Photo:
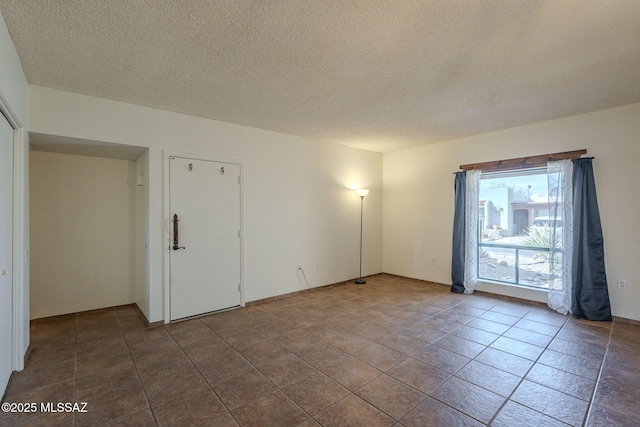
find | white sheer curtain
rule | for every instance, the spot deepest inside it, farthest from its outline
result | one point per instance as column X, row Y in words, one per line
column 471, row 226
column 561, row 234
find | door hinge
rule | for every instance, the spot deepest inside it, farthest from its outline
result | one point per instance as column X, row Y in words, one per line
column 238, row 287
column 238, row 180
column 238, row 234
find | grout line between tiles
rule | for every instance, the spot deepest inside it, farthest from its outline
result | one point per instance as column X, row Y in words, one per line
column 198, row 369
column 524, row 377
column 368, row 315
column 595, row 387
column 144, row 390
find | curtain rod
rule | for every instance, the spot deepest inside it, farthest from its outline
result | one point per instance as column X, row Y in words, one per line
column 523, row 162
column 589, row 158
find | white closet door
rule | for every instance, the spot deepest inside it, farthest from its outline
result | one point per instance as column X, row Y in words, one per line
column 205, row 266
column 6, row 250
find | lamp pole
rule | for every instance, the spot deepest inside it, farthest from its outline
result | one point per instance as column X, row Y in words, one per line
column 361, row 192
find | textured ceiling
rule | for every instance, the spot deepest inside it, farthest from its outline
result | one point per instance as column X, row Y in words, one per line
column 374, row 74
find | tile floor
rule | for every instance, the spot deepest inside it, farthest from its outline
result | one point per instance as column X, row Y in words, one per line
column 392, row 352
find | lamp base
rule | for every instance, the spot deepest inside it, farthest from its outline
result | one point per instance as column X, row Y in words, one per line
column 360, row 282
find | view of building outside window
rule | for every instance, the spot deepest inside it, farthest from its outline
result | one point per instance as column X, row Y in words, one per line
column 514, row 232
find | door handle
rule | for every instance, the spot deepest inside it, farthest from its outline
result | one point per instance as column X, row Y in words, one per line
column 176, row 246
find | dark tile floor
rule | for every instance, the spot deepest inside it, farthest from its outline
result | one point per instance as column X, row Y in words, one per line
column 392, row 352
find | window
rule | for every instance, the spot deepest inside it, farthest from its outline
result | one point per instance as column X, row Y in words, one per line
column 513, row 228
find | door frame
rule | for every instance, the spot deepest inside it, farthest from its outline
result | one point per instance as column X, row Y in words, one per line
column 166, row 222
column 20, row 223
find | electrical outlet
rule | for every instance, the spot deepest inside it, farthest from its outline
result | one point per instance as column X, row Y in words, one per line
column 317, row 265
column 433, row 261
column 622, row 284
column 299, row 266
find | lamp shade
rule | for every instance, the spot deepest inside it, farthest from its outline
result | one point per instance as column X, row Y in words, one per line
column 362, row 192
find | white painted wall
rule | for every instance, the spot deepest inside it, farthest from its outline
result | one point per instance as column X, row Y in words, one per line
column 83, row 236
column 141, row 292
column 13, row 102
column 299, row 203
column 418, row 195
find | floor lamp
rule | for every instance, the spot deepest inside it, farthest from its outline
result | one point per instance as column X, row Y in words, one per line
column 361, row 192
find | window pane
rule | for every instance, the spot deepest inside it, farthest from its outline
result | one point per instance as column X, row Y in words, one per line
column 514, row 217
column 534, row 268
column 497, row 264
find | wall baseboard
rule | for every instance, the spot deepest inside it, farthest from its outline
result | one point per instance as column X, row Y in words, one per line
column 332, row 285
column 26, row 357
column 511, row 298
column 27, row 354
column 144, row 318
column 303, row 291
column 625, row 320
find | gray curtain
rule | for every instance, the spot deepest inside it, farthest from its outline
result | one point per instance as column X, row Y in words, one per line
column 590, row 298
column 459, row 237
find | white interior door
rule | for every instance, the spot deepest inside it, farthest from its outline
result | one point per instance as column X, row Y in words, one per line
column 205, row 266
column 6, row 250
